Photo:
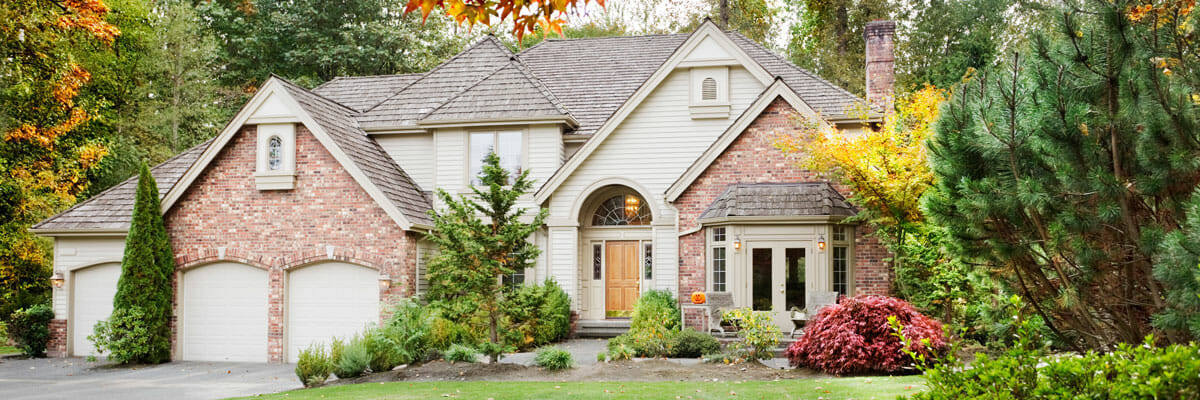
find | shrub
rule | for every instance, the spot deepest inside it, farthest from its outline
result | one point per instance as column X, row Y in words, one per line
column 854, row 337
column 460, row 353
column 655, row 322
column 601, row 357
column 757, row 331
column 444, row 333
column 619, row 351
column 313, row 366
column 147, row 269
column 384, row 352
column 125, row 336
column 30, row 329
column 553, row 359
column 494, row 351
column 351, row 359
column 537, row 315
column 690, row 343
column 408, row 331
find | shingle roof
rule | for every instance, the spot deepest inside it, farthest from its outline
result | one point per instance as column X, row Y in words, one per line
column 362, row 92
column 112, row 209
column 779, row 200
column 510, row 92
column 338, row 121
column 405, row 108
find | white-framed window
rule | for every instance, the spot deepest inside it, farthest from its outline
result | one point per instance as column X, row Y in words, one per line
column 718, row 235
column 507, row 145
column 275, row 166
column 841, row 270
column 839, row 233
column 274, row 153
column 718, row 260
column 648, row 259
column 597, row 261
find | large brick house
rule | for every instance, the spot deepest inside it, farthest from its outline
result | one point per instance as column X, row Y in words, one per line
column 305, row 218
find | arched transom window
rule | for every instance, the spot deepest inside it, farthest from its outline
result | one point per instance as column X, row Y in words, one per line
column 625, row 209
column 274, row 153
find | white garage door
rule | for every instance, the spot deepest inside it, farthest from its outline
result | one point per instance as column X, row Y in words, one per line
column 327, row 300
column 91, row 302
column 224, row 313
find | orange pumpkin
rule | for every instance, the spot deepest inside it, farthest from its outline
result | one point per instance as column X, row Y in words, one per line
column 698, row 298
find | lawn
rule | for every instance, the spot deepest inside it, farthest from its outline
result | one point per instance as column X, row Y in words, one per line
column 4, row 347
column 878, row 387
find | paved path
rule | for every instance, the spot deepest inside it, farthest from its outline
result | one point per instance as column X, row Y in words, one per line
column 74, row 378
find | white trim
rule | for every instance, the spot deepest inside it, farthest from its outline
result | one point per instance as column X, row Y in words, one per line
column 566, row 119
column 586, row 194
column 709, row 62
column 706, row 30
column 274, row 86
column 80, row 232
column 775, row 90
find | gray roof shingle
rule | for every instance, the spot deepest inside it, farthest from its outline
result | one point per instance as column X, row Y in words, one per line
column 338, row 121
column 112, row 209
column 362, row 92
column 779, row 200
column 509, row 92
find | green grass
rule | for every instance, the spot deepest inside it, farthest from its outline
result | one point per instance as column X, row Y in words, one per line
column 878, row 387
column 4, row 339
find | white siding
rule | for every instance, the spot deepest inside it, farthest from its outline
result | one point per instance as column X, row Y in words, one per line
column 564, row 268
column 544, row 152
column 451, row 161
column 72, row 253
column 414, row 152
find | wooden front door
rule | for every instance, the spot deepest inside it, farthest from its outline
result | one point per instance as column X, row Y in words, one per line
column 621, row 283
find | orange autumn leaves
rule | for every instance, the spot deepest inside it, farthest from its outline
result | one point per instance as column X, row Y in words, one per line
column 88, row 15
column 887, row 169
column 1160, row 12
column 527, row 15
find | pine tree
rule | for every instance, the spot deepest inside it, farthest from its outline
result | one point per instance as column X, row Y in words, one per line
column 481, row 239
column 1062, row 169
column 147, row 270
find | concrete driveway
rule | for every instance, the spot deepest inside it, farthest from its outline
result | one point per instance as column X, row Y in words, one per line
column 75, row 378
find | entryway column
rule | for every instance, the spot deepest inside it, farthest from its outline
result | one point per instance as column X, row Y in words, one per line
column 564, row 260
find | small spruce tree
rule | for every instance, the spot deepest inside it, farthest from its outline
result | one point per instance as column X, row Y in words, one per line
column 481, row 239
column 146, row 273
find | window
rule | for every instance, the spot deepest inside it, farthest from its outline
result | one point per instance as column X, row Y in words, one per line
column 506, row 145
column 648, row 260
column 274, row 153
column 514, row 280
column 839, row 233
column 718, row 235
column 718, row 264
column 597, row 261
column 708, row 89
column 627, row 209
column 840, row 270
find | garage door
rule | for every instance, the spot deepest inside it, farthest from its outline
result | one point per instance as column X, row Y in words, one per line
column 91, row 302
column 224, row 313
column 327, row 300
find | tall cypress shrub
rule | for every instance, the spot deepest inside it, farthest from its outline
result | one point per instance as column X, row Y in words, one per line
column 146, row 272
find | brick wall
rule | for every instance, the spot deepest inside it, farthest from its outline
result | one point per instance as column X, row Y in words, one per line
column 223, row 216
column 752, row 158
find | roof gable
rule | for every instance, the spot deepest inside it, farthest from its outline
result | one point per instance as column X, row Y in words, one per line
column 706, row 31
column 509, row 93
column 778, row 89
column 363, row 92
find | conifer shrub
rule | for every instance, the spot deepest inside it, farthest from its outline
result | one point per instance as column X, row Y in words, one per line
column 30, row 329
column 350, row 358
column 314, row 366
column 537, row 315
column 854, row 337
column 553, row 359
column 690, row 343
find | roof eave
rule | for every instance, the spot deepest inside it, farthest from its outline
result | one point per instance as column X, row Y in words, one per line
column 567, row 120
column 52, row 232
column 774, row 219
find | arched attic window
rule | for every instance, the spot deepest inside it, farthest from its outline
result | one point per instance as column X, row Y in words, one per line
column 274, row 153
column 625, row 209
column 708, row 89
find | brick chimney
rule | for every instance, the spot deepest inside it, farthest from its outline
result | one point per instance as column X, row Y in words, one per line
column 881, row 78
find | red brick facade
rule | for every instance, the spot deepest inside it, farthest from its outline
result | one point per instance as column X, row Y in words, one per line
column 327, row 216
column 752, row 158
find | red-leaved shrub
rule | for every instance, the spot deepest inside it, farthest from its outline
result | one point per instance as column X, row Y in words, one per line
column 854, row 337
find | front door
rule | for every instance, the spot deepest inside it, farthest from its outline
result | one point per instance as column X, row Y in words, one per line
column 621, row 281
column 777, row 280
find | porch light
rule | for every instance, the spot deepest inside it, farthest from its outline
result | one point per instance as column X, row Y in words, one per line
column 821, row 242
column 57, row 280
column 737, row 243
column 385, row 282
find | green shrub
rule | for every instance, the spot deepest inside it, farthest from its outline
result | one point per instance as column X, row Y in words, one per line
column 408, row 330
column 30, row 329
column 494, row 350
column 655, row 323
column 351, row 359
column 537, row 315
column 601, row 357
column 619, row 351
column 125, row 336
column 690, row 343
column 553, row 359
column 313, row 366
column 385, row 353
column 147, row 269
column 757, row 331
column 460, row 353
column 444, row 333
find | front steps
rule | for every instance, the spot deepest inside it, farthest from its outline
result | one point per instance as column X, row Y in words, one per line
column 602, row 328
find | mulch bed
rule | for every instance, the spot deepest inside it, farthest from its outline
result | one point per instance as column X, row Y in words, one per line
column 642, row 370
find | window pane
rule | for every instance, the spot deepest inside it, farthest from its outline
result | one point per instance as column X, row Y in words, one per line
column 839, row 233
column 508, row 147
column 718, row 262
column 760, row 276
column 274, row 153
column 648, row 260
column 596, row 261
column 718, row 235
column 514, row 280
column 840, row 272
column 622, row 210
column 794, row 277
column 481, row 144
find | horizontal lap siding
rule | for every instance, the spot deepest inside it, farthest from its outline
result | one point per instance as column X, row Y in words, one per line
column 415, row 154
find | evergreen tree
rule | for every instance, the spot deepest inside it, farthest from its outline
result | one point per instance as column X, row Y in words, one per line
column 1179, row 268
column 147, row 270
column 1061, row 170
column 481, row 239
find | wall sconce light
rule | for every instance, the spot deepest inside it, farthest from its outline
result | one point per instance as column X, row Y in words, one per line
column 57, row 280
column 385, row 282
column 737, row 243
column 821, row 242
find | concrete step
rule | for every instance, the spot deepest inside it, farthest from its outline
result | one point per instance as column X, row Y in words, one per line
column 604, row 328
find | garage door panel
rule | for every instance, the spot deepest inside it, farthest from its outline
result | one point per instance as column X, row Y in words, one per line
column 328, row 300
column 224, row 313
column 94, row 288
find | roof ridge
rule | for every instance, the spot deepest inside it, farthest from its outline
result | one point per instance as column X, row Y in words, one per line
column 486, row 39
column 541, row 86
column 552, row 40
column 289, row 83
column 458, row 94
column 794, row 66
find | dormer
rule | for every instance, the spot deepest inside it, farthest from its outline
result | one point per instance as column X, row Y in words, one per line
column 275, row 154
